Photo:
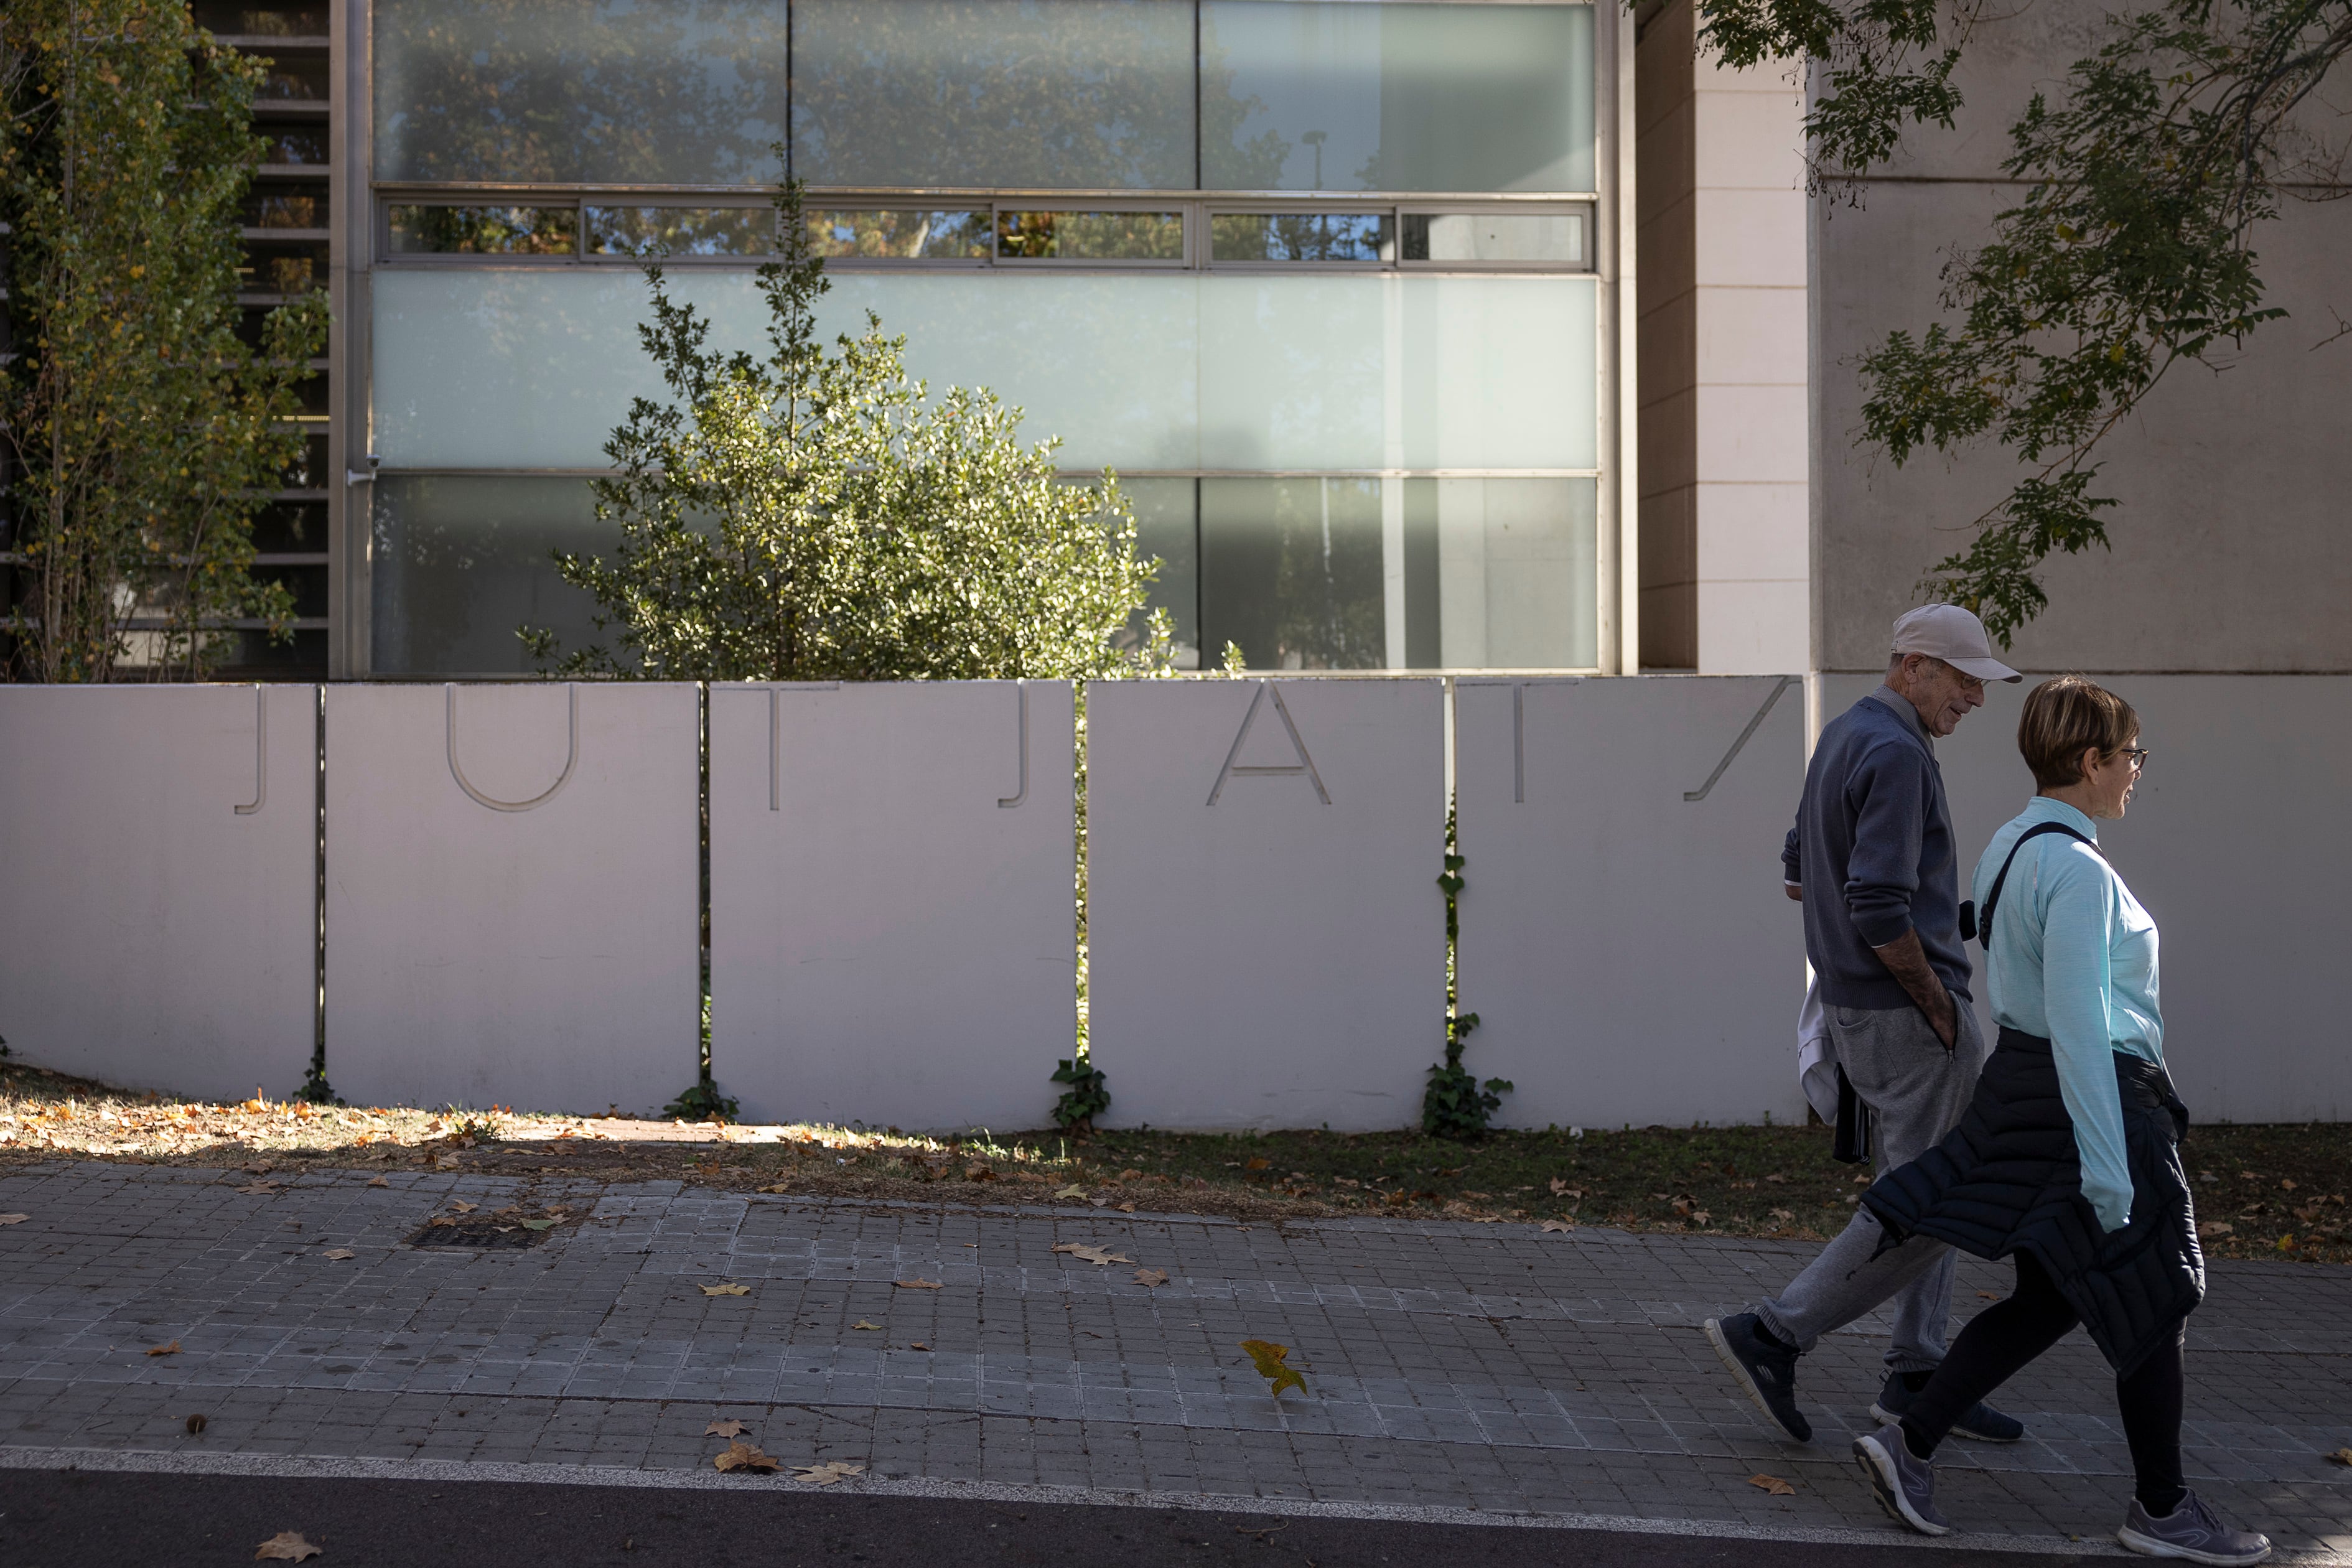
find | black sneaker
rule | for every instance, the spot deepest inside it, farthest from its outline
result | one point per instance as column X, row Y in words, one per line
column 1763, row 1367
column 1904, row 1484
column 2192, row 1534
column 1982, row 1421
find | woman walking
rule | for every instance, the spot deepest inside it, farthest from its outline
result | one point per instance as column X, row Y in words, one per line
column 2065, row 1160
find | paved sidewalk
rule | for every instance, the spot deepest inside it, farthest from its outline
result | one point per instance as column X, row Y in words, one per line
column 1451, row 1369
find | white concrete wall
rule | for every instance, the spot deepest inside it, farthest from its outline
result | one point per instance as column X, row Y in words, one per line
column 1629, row 952
column 152, row 935
column 544, row 958
column 891, row 942
column 2236, row 843
column 1274, row 959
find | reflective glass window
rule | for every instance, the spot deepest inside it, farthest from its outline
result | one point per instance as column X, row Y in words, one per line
column 460, row 561
column 236, row 18
column 1090, row 235
column 433, row 230
column 1534, row 237
column 580, row 92
column 292, row 77
column 1510, row 568
column 678, row 231
column 1291, row 573
column 1301, row 237
column 929, row 235
column 273, row 204
column 1301, row 96
column 293, row 143
column 1074, row 94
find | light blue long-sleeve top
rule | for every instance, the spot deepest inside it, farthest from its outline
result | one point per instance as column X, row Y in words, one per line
column 2071, row 958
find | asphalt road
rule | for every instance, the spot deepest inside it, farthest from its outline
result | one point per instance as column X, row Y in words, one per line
column 74, row 1518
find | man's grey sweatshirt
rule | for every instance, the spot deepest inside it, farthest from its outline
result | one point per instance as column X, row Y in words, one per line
column 1872, row 849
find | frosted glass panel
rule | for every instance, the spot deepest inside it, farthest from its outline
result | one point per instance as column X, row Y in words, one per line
column 533, row 369
column 1294, row 371
column 1304, row 97
column 460, row 561
column 1498, row 372
column 1336, row 372
column 526, row 368
column 619, row 92
column 1091, row 94
column 1517, row 581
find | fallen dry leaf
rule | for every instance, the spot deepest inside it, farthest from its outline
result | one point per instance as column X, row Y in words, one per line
column 1559, row 1225
column 1772, row 1484
column 538, row 1224
column 1784, row 1214
column 2215, row 1227
column 919, row 1284
column 1072, row 1191
column 195, row 1423
column 1096, row 1255
column 827, row 1474
column 259, row 1189
column 285, row 1547
column 1270, row 1359
column 1990, row 1295
column 2286, row 1184
column 343, row 1253
column 917, row 1345
column 378, row 1182
column 14, row 1218
column 171, row 1349
column 1152, row 1276
column 743, row 1456
column 725, row 1289
column 2341, row 1456
column 1256, row 1162
column 462, row 1206
column 861, row 1324
column 779, row 1187
column 724, row 1429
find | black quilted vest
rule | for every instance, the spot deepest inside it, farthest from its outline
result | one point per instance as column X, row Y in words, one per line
column 2007, row 1180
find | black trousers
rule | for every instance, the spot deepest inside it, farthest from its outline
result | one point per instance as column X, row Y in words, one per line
column 2001, row 1341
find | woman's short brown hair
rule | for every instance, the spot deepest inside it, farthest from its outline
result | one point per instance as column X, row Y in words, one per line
column 2066, row 716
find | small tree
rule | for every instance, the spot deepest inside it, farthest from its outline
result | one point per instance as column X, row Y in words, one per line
column 139, row 433
column 813, row 515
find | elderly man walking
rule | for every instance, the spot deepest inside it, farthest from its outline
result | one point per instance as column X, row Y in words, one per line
column 1872, row 859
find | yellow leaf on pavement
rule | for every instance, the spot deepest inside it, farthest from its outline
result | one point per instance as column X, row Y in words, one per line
column 861, row 1324
column 378, row 1182
column 343, row 1253
column 1152, row 1276
column 1561, row 1225
column 729, row 1289
column 827, row 1474
column 1772, row 1484
column 14, row 1218
column 171, row 1349
column 724, row 1429
column 919, row 1284
column 1270, row 1360
column 1093, row 1255
column 743, row 1456
column 462, row 1206
column 2342, row 1456
column 285, row 1547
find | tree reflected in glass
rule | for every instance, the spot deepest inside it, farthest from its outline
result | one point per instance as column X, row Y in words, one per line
column 619, row 92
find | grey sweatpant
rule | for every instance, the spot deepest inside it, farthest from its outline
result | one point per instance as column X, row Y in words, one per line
column 1915, row 1091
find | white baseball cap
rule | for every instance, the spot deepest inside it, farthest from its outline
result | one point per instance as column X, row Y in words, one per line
column 1951, row 634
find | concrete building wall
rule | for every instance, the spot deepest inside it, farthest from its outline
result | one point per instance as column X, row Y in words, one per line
column 2230, row 553
column 1723, row 372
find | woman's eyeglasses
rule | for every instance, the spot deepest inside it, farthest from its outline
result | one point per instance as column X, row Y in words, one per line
column 2138, row 755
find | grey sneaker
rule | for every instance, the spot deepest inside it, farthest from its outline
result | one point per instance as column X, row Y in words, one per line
column 1904, row 1484
column 2190, row 1531
column 1980, row 1421
column 1765, row 1369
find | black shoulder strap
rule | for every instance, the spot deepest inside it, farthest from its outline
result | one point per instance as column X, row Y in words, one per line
column 1992, row 898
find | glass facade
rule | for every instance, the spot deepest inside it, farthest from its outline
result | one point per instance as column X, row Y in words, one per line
column 1358, row 433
